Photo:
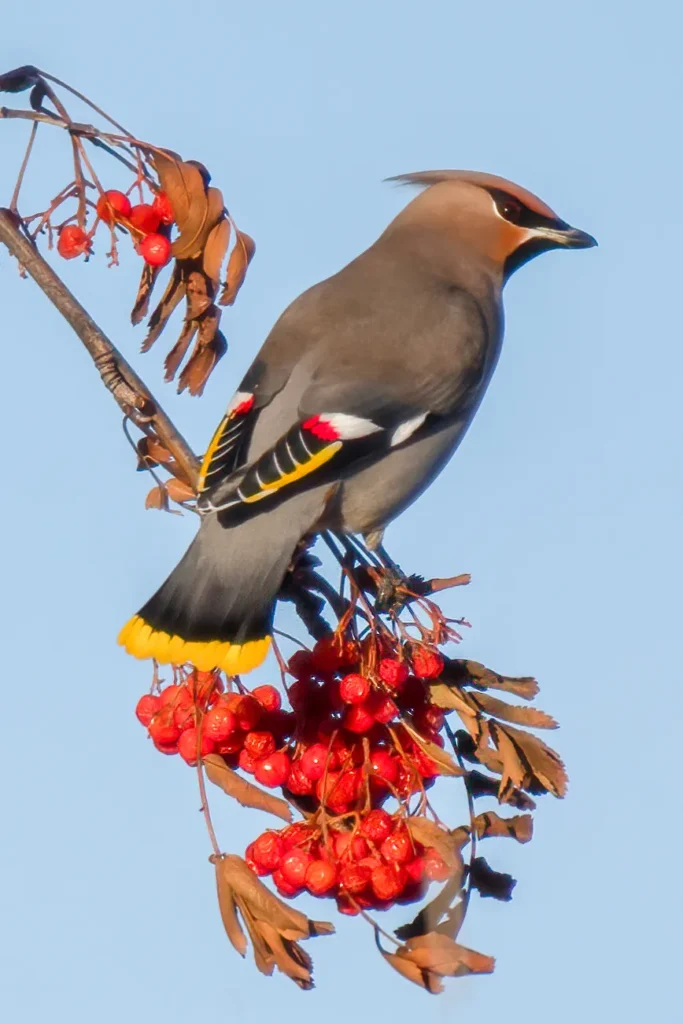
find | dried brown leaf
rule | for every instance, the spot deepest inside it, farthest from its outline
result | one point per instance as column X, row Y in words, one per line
column 226, row 903
column 144, row 294
column 444, row 760
column 173, row 294
column 179, row 350
column 520, row 827
column 184, row 185
column 263, row 956
column 214, row 251
column 240, row 258
column 453, row 698
column 427, row 919
column 411, row 971
column 514, row 774
column 473, row 673
column 289, row 957
column 203, row 217
column 429, row 833
column 482, row 785
column 246, row 793
column 534, row 718
column 543, row 762
column 439, row 953
column 19, row 79
column 157, row 498
column 489, row 882
column 179, row 491
column 207, row 353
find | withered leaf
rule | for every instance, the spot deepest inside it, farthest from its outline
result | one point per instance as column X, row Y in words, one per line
column 289, row 956
column 240, row 258
column 214, row 251
column 226, row 903
column 179, row 350
column 246, row 793
column 444, row 760
column 483, row 785
column 211, row 346
column 543, row 762
column 489, row 882
column 520, row 827
column 453, row 698
column 427, row 919
column 173, row 294
column 198, row 225
column 263, row 956
column 464, row 672
column 19, row 79
column 184, row 185
column 157, row 451
column 411, row 971
column 514, row 774
column 429, row 833
column 438, row 953
column 199, row 295
column 38, row 94
column 532, row 717
column 157, row 498
column 179, row 491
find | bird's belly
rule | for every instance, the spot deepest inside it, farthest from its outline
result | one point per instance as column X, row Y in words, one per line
column 372, row 497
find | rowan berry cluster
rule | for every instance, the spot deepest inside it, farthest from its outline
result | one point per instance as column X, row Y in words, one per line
column 340, row 754
column 143, row 221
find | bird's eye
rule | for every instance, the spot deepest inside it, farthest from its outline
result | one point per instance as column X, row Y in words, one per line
column 511, row 210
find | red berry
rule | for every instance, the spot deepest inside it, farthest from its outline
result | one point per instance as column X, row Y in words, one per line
column 346, row 907
column 233, row 743
column 300, row 665
column 388, row 881
column 184, row 715
column 145, row 218
column 407, row 781
column 297, row 834
column 382, row 708
column 147, row 707
column 321, row 876
column 284, row 887
column 247, row 762
column 113, row 205
column 259, row 744
column 302, row 693
column 294, row 866
column 273, row 770
column 267, row 850
column 268, row 697
column 354, row 689
column 345, row 843
column 162, row 207
column 415, row 869
column 174, row 695
column 155, row 250
column 219, row 723
column 377, row 825
column 163, row 729
column 359, row 718
column 398, row 848
column 414, row 693
column 392, row 672
column 297, row 781
column 204, row 687
column 425, row 765
column 327, row 654
column 247, row 711
column 427, row 664
column 435, row 867
column 314, row 759
column 166, row 748
column 72, row 242
column 383, row 766
column 353, row 878
column 343, row 792
column 187, row 745
column 249, row 857
column 430, row 719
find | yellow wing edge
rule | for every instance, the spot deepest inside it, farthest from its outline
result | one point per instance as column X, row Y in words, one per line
column 139, row 639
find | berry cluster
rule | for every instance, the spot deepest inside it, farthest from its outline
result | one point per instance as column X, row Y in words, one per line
column 144, row 221
column 344, row 750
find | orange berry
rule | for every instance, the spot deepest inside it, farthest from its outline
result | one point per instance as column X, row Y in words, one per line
column 72, row 242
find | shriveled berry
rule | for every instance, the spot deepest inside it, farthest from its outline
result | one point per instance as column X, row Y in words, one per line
column 353, row 878
column 297, row 781
column 359, row 718
column 427, row 664
column 435, row 867
column 273, row 770
column 429, row 719
column 267, row 850
column 249, row 858
column 300, row 665
column 268, row 697
column 344, row 906
column 284, row 887
column 144, row 217
column 297, row 834
column 72, row 242
column 232, row 744
column 302, row 694
column 282, row 724
column 345, row 792
column 294, row 866
column 392, row 672
column 314, row 759
column 354, row 689
column 321, row 877
column 155, row 250
column 112, row 205
column 188, row 743
column 247, row 762
column 382, row 708
column 377, row 825
column 327, row 654
column 259, row 744
column 383, row 766
column 388, row 881
column 163, row 208
column 219, row 723
column 146, row 708
column 247, row 711
column 398, row 848
column 413, row 693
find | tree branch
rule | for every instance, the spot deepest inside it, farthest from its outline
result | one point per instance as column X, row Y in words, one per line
column 129, row 391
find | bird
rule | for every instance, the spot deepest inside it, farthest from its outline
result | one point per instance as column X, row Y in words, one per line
column 358, row 398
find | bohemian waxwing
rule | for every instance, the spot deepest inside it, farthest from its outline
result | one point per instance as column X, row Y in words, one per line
column 358, row 398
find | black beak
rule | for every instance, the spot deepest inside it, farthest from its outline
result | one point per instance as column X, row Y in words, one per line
column 566, row 237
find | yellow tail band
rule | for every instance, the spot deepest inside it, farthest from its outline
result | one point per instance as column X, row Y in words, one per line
column 140, row 640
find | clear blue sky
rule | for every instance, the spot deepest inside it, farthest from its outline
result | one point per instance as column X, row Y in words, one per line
column 564, row 501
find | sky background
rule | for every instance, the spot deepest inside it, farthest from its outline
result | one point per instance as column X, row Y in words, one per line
column 563, row 502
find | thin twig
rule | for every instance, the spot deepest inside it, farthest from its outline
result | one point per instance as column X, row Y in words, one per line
column 22, row 170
